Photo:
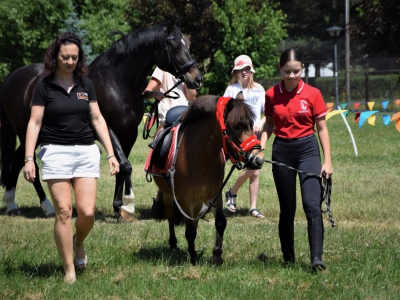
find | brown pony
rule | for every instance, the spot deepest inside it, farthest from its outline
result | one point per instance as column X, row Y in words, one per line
column 200, row 164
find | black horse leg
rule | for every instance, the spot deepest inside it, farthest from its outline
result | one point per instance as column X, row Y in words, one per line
column 173, row 242
column 220, row 225
column 191, row 234
column 124, row 175
column 16, row 166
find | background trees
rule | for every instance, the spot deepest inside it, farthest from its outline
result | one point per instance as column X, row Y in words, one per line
column 220, row 30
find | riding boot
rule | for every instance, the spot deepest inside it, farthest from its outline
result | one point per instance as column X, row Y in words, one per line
column 316, row 240
column 286, row 236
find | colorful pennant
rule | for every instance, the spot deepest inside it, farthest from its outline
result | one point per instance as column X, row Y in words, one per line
column 386, row 119
column 334, row 112
column 385, row 104
column 371, row 105
column 364, row 116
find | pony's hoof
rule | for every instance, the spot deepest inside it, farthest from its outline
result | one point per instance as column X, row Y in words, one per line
column 127, row 216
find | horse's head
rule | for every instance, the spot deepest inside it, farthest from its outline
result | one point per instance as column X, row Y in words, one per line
column 239, row 141
column 177, row 59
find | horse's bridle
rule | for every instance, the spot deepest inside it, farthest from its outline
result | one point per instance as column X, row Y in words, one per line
column 179, row 70
column 240, row 152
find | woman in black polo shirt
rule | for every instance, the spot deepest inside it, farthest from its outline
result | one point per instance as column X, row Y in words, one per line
column 64, row 118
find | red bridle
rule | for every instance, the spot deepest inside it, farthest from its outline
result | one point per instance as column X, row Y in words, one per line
column 245, row 146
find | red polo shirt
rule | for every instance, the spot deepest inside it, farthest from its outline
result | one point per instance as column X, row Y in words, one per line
column 294, row 112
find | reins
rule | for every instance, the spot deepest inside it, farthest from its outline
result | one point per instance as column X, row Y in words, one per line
column 171, row 173
column 326, row 185
column 247, row 145
column 153, row 113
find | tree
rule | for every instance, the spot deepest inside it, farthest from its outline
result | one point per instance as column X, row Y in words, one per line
column 376, row 23
column 220, row 31
column 101, row 18
column 27, row 28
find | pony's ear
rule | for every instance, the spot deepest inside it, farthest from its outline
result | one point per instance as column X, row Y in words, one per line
column 240, row 96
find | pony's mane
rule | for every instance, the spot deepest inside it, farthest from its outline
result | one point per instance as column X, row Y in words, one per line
column 239, row 113
column 130, row 43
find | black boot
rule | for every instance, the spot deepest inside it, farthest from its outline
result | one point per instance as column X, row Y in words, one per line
column 286, row 236
column 316, row 240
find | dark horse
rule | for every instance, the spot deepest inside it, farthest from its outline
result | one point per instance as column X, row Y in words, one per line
column 200, row 164
column 119, row 76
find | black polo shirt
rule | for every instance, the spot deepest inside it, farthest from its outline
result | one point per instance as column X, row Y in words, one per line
column 66, row 119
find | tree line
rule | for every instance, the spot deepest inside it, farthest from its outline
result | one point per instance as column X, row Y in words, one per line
column 219, row 30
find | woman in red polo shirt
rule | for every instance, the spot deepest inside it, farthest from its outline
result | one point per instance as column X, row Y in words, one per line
column 292, row 109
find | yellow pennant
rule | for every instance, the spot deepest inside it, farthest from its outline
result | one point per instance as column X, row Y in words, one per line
column 371, row 120
column 334, row 112
column 371, row 105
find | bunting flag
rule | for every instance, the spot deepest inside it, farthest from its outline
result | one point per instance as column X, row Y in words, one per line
column 395, row 116
column 343, row 105
column 398, row 102
column 398, row 125
column 334, row 112
column 385, row 104
column 371, row 120
column 371, row 105
column 386, row 119
column 356, row 105
column 364, row 116
column 329, row 104
column 357, row 117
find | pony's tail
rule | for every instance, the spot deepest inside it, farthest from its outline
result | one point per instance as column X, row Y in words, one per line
column 158, row 211
column 8, row 140
column 158, row 208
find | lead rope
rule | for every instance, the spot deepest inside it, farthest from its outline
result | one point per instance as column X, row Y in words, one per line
column 171, row 173
column 326, row 187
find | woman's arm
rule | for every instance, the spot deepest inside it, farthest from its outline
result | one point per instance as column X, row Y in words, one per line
column 32, row 134
column 257, row 129
column 101, row 129
column 323, row 135
column 151, row 91
column 267, row 132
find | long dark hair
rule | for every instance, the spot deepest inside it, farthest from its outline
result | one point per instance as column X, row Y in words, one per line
column 66, row 38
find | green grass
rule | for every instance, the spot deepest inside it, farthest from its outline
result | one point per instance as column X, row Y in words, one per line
column 133, row 261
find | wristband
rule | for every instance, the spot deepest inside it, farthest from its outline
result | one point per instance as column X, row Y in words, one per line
column 28, row 158
column 108, row 157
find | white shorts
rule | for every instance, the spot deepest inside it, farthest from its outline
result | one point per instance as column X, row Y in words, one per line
column 65, row 162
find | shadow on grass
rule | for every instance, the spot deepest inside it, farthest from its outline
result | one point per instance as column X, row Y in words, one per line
column 42, row 270
column 165, row 254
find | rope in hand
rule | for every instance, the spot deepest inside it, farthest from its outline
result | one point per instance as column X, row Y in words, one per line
column 326, row 187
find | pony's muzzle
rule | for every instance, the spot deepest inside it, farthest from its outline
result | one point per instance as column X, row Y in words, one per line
column 254, row 162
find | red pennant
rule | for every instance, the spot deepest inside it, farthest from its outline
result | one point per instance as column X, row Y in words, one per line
column 357, row 116
column 356, row 105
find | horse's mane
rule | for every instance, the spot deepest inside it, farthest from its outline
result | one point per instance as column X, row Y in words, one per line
column 239, row 113
column 132, row 42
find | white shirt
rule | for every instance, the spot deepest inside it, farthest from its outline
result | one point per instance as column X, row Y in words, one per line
column 254, row 97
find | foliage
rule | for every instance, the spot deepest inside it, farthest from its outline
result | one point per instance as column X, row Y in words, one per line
column 220, row 31
column 77, row 26
column 376, row 23
column 26, row 29
column 101, row 18
column 133, row 261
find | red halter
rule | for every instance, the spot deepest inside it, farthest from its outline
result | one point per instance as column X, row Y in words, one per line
column 245, row 146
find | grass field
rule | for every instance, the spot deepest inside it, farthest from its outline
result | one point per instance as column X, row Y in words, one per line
column 133, row 261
